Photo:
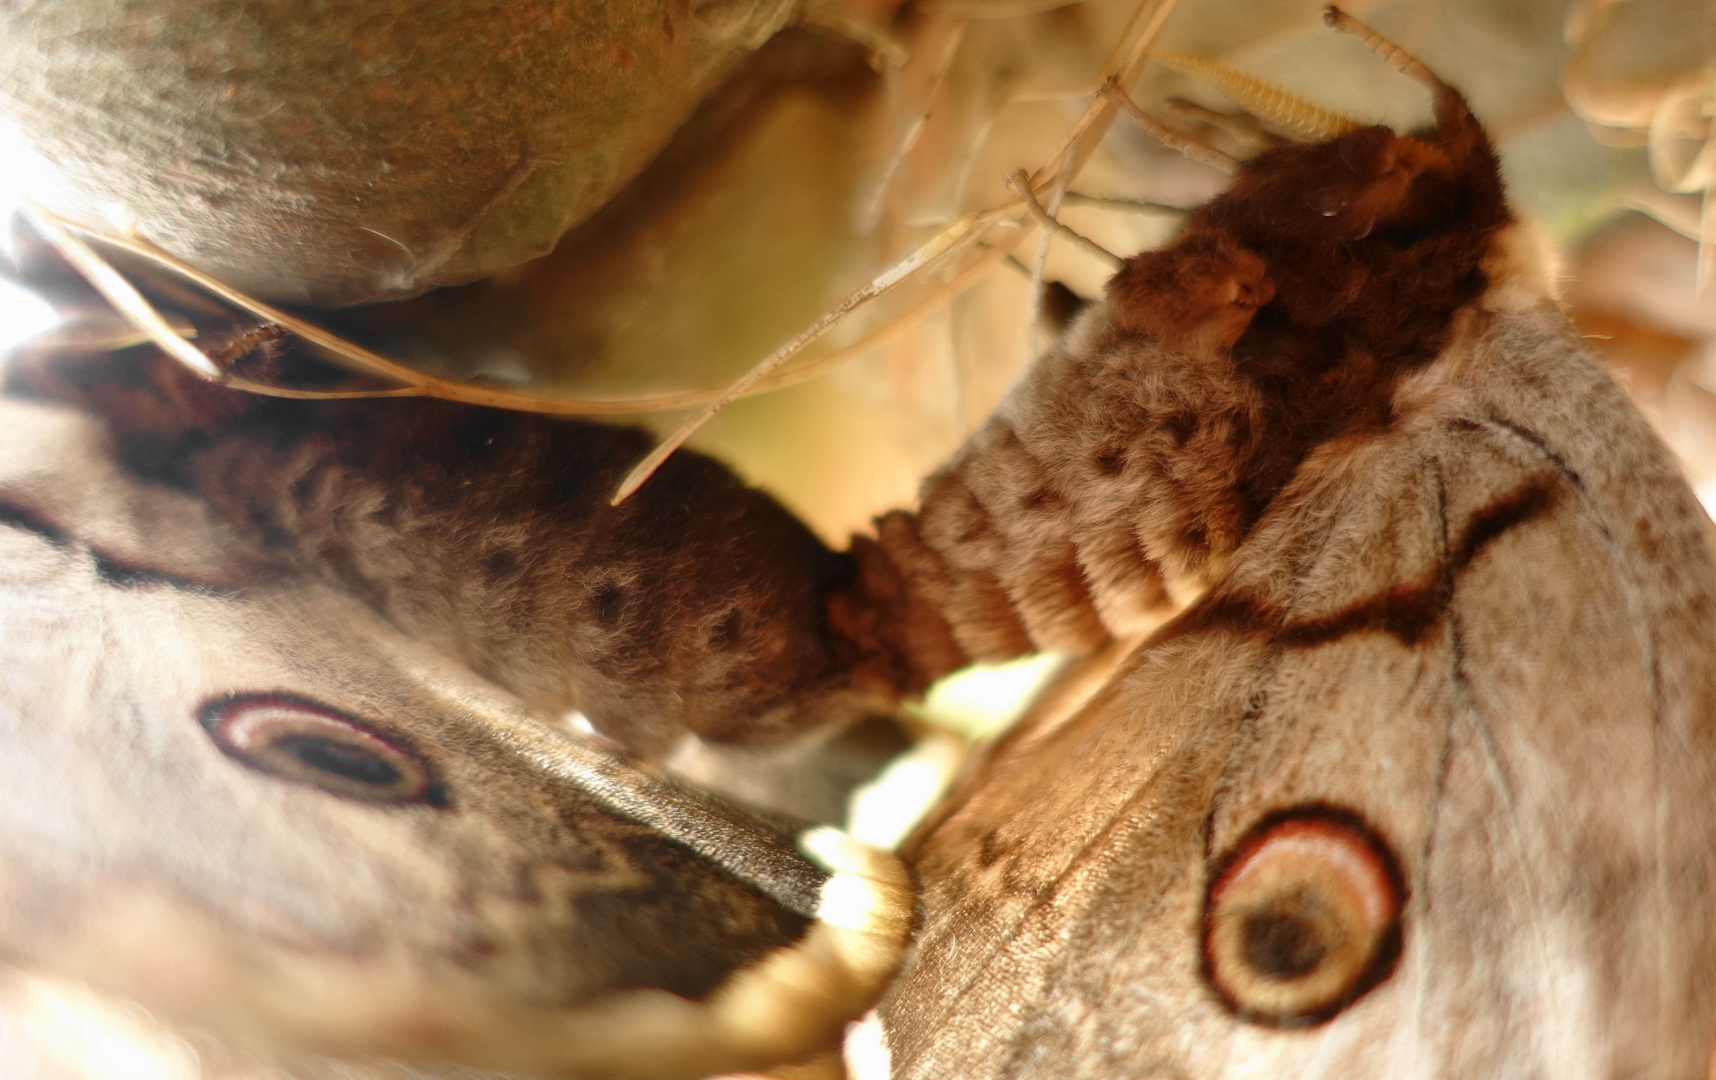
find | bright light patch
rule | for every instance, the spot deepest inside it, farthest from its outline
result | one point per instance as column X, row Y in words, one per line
column 984, row 699
column 977, row 703
column 24, row 174
column 23, row 315
column 74, row 1033
column 883, row 812
column 580, row 723
column 1707, row 496
column 866, row 1049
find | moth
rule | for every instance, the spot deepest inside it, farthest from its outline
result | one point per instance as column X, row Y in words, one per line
column 240, row 795
column 1419, row 784
column 1341, row 815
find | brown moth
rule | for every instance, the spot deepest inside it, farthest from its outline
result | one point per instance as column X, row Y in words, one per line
column 235, row 793
column 285, row 753
column 1420, row 784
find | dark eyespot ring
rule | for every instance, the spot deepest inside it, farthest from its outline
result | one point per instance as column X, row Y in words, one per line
column 1302, row 917
column 309, row 743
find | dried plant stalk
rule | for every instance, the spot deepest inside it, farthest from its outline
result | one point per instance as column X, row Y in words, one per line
column 964, row 250
column 112, row 284
column 964, row 238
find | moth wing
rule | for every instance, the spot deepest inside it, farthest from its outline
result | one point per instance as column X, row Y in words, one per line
column 1078, row 854
column 1450, row 631
column 254, row 806
column 1609, row 767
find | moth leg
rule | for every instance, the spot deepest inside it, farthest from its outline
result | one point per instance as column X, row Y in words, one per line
column 1167, row 136
column 1021, row 183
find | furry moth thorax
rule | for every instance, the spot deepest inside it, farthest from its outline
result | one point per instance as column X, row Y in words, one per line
column 1281, row 319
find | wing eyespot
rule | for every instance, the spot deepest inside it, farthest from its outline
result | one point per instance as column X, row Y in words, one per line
column 1302, row 917
column 309, row 743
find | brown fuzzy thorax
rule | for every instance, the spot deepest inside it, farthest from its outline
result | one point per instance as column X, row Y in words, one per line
column 1131, row 463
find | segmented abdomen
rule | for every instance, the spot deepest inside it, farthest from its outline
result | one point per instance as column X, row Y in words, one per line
column 1105, row 485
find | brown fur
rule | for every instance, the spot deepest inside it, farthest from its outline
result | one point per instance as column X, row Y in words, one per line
column 1280, row 320
column 1115, row 482
column 697, row 605
column 1132, row 462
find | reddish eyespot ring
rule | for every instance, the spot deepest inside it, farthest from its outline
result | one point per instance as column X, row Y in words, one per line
column 306, row 742
column 1302, row 917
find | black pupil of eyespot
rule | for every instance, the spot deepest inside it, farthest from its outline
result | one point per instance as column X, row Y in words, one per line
column 344, row 761
column 1282, row 943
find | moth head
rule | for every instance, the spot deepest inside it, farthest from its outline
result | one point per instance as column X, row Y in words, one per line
column 1387, row 178
column 1372, row 241
column 1302, row 917
column 1369, row 178
column 1347, row 188
column 1370, row 222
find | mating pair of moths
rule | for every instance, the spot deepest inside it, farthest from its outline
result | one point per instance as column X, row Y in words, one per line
column 1421, row 783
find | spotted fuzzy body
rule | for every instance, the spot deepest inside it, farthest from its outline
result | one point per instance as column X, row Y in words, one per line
column 696, row 608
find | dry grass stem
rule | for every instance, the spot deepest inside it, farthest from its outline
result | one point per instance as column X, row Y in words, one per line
column 967, row 236
column 355, row 357
column 1021, row 183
